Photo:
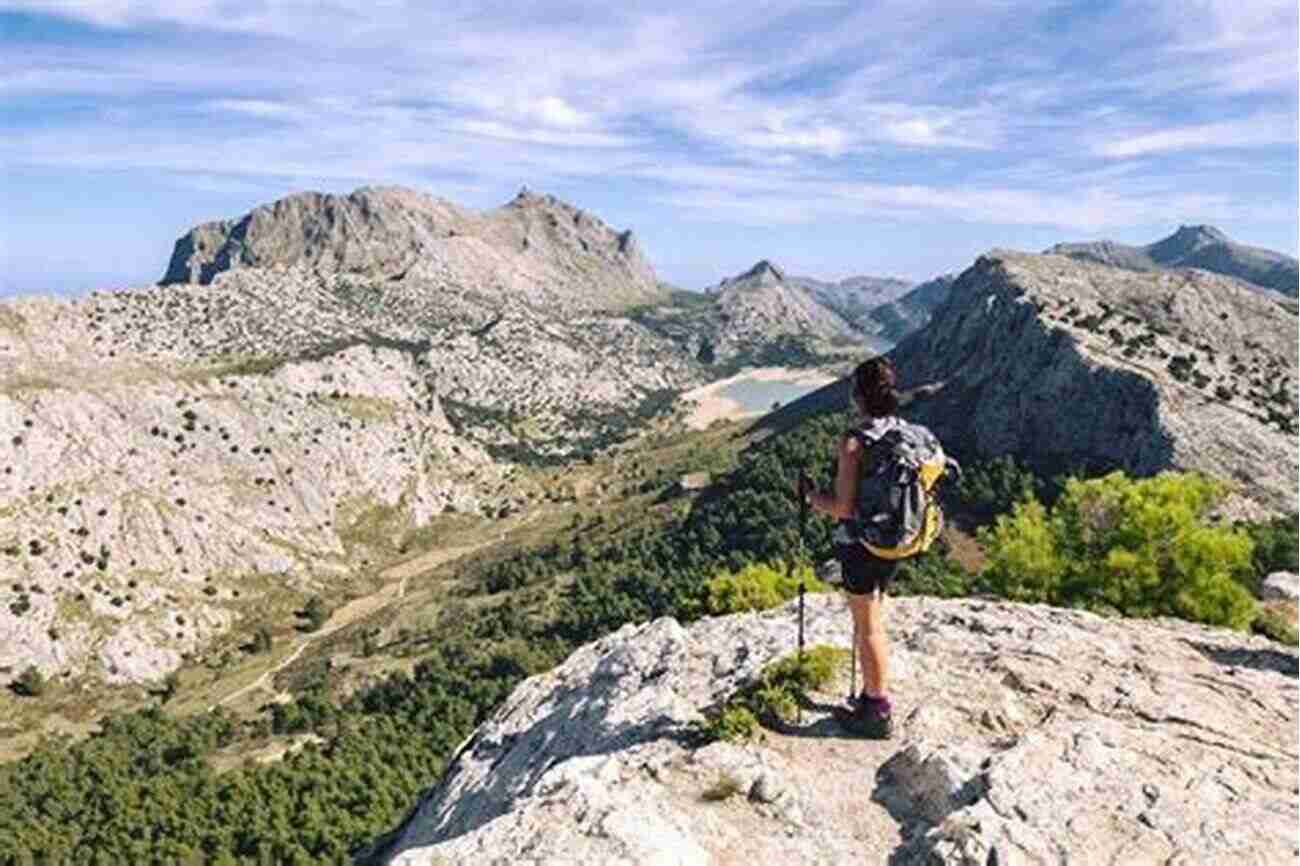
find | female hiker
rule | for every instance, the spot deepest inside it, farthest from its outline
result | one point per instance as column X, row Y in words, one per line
column 878, row 513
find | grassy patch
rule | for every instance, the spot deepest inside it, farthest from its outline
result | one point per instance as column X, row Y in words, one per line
column 233, row 365
column 367, row 524
column 367, row 408
column 774, row 698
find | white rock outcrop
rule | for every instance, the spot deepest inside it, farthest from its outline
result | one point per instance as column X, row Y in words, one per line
column 1024, row 735
column 1281, row 585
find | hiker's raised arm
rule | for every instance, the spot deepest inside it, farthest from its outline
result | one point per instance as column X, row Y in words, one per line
column 839, row 502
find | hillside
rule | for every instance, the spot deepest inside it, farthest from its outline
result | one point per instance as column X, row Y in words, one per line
column 1028, row 735
column 756, row 318
column 910, row 312
column 1203, row 247
column 854, row 298
column 1069, row 365
column 188, row 457
column 761, row 301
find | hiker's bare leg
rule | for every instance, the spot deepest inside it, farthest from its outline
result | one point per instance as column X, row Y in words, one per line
column 868, row 616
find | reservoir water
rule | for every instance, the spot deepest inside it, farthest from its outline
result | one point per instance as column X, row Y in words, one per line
column 758, row 395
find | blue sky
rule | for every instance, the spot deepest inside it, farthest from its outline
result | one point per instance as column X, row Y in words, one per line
column 833, row 138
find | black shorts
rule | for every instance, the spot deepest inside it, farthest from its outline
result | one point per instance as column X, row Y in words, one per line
column 862, row 572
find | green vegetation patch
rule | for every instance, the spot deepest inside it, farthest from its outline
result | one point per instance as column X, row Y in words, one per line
column 773, row 700
column 759, row 586
column 367, row 408
column 1143, row 547
column 366, row 523
column 234, row 365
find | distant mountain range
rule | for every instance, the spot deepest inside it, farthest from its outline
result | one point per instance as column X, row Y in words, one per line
column 1201, row 246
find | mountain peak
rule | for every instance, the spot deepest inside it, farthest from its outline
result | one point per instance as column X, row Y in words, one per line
column 1200, row 234
column 764, row 271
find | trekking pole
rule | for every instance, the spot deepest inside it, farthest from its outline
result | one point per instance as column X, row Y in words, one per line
column 853, row 671
column 803, row 549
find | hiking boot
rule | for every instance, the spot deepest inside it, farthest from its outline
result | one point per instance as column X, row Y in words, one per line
column 866, row 717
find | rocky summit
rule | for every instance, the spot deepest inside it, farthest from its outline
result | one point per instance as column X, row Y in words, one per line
column 1069, row 364
column 1201, row 246
column 535, row 249
column 1023, row 735
column 762, row 300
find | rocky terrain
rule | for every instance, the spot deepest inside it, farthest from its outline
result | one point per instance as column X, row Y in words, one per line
column 752, row 302
column 1024, row 735
column 1071, row 365
column 765, row 317
column 910, row 312
column 177, row 451
column 535, row 249
column 855, row 297
column 1203, row 247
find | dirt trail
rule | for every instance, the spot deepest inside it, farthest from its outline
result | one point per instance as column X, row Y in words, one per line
column 394, row 589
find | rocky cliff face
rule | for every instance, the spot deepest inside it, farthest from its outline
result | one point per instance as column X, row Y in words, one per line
column 1070, row 364
column 912, row 311
column 1202, row 247
column 176, row 452
column 536, row 249
column 1024, row 735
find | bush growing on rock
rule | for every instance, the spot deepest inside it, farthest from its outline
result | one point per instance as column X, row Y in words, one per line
column 773, row 699
column 758, row 587
column 31, row 683
column 1142, row 547
column 1277, row 544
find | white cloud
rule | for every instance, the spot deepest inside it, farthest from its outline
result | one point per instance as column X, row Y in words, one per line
column 787, row 113
column 554, row 111
column 1256, row 131
column 254, row 107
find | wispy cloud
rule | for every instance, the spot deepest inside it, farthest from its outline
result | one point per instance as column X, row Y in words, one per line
column 1259, row 131
column 1070, row 114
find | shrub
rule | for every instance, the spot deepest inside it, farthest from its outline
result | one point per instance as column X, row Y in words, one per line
column 1277, row 543
column 726, row 787
column 734, row 722
column 932, row 573
column 315, row 612
column 995, row 486
column 30, row 683
column 758, row 587
column 774, row 698
column 1277, row 622
column 1143, row 547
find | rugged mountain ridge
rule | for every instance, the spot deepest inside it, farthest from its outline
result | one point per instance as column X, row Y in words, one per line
column 1199, row 246
column 1067, row 363
column 1070, row 366
column 1025, row 734
column 896, row 319
column 536, row 248
column 854, row 298
column 179, row 451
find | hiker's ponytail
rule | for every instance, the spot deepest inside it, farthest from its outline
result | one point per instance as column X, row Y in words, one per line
column 875, row 382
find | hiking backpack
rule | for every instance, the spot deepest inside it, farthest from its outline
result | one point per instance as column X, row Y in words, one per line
column 897, row 514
